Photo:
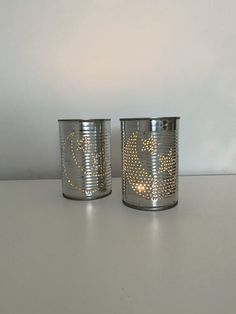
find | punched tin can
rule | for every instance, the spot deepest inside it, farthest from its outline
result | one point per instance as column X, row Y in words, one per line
column 150, row 162
column 85, row 158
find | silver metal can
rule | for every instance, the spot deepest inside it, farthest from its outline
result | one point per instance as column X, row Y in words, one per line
column 150, row 162
column 85, row 158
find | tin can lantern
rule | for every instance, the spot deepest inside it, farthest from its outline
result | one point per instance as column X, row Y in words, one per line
column 150, row 162
column 85, row 158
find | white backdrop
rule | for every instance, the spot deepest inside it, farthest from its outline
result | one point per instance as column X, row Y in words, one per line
column 116, row 58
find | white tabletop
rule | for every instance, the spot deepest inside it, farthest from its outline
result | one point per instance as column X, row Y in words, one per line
column 60, row 256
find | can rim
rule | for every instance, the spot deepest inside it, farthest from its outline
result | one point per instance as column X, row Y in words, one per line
column 84, row 120
column 150, row 118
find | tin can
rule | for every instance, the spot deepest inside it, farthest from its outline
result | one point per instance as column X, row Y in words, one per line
column 85, row 158
column 150, row 162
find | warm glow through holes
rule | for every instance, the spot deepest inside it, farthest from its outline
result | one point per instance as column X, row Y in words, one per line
column 140, row 187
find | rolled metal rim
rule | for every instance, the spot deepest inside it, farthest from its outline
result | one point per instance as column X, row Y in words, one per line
column 87, row 198
column 150, row 208
column 149, row 118
column 84, row 120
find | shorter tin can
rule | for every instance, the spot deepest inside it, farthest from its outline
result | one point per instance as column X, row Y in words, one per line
column 150, row 162
column 85, row 158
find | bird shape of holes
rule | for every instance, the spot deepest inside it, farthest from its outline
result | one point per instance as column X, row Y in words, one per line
column 142, row 182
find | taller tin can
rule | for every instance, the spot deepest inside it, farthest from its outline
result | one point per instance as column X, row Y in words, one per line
column 150, row 162
column 85, row 158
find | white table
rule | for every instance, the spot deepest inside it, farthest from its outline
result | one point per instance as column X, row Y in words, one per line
column 60, row 256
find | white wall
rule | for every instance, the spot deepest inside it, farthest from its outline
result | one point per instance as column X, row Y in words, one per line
column 107, row 58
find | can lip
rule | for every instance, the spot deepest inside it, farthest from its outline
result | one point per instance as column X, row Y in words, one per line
column 84, row 120
column 150, row 118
